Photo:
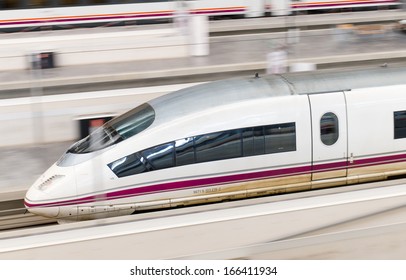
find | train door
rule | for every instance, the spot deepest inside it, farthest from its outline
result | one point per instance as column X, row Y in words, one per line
column 329, row 135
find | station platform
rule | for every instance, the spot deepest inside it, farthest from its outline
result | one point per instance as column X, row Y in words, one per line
column 230, row 55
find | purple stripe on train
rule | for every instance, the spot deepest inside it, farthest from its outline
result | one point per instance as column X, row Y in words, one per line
column 228, row 179
column 114, row 17
column 346, row 4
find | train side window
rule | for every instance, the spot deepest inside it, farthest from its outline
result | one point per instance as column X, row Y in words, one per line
column 10, row 4
column 247, row 135
column 210, row 147
column 280, row 138
column 70, row 2
column 161, row 156
column 98, row 2
column 134, row 121
column 130, row 165
column 329, row 129
column 252, row 141
column 141, row 1
column 184, row 151
column 399, row 124
column 218, row 146
column 38, row 3
column 259, row 140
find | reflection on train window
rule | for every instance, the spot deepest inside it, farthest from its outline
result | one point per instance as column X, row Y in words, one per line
column 9, row 4
column 280, row 138
column 38, row 3
column 247, row 142
column 143, row 1
column 400, row 124
column 185, row 151
column 218, row 146
column 134, row 121
column 253, row 142
column 259, row 140
column 214, row 146
column 70, row 2
column 129, row 165
column 160, row 157
column 98, row 2
column 329, row 129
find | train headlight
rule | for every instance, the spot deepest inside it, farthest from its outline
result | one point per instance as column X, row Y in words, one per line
column 50, row 181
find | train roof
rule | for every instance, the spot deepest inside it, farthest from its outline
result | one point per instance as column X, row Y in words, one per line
column 330, row 81
column 226, row 92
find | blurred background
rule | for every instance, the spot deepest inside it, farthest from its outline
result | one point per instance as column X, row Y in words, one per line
column 68, row 66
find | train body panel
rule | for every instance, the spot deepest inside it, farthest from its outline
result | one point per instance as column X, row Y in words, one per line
column 306, row 5
column 62, row 16
column 377, row 113
column 375, row 107
column 234, row 139
column 329, row 134
column 18, row 14
column 22, row 15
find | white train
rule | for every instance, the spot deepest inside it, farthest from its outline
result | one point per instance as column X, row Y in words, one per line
column 23, row 14
column 233, row 139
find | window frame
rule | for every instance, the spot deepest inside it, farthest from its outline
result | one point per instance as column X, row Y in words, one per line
column 244, row 141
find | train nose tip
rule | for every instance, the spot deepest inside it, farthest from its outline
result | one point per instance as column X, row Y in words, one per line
column 50, row 212
column 41, row 198
column 33, row 205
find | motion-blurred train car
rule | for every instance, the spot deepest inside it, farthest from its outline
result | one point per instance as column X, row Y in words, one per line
column 306, row 5
column 31, row 14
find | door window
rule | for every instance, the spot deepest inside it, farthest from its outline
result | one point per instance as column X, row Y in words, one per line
column 329, row 129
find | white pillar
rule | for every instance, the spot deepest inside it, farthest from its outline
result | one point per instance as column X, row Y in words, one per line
column 255, row 8
column 276, row 62
column 302, row 66
column 280, row 8
column 199, row 35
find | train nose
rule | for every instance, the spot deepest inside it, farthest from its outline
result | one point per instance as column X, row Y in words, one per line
column 36, row 197
column 46, row 195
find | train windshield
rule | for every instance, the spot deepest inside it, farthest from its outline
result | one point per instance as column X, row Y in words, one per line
column 134, row 121
column 116, row 130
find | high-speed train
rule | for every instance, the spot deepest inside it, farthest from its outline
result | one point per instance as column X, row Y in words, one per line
column 26, row 14
column 233, row 139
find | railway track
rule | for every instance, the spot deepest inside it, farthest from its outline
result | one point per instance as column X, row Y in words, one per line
column 18, row 219
column 13, row 215
column 366, row 217
column 26, row 220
